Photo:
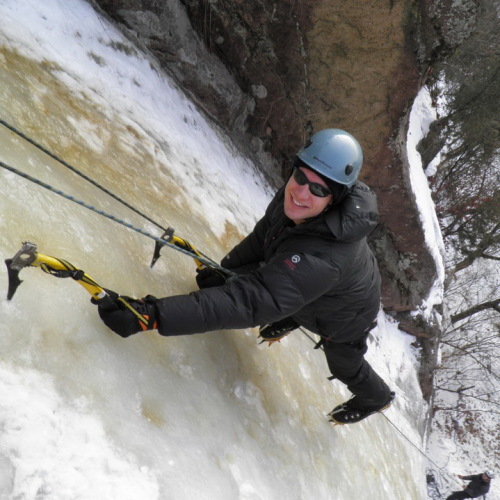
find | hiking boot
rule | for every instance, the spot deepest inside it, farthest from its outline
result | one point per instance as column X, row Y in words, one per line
column 348, row 413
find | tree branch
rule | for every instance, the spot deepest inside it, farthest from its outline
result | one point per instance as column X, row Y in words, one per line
column 491, row 304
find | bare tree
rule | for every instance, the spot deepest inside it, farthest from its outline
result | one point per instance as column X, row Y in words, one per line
column 466, row 182
column 469, row 371
column 466, row 191
column 490, row 304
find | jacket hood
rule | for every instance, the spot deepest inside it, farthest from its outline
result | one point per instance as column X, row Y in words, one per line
column 356, row 217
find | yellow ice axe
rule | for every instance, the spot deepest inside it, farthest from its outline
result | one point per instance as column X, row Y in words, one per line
column 29, row 257
column 169, row 237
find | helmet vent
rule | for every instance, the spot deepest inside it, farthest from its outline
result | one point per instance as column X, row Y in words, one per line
column 349, row 169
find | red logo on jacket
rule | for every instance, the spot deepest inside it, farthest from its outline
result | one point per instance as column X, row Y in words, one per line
column 292, row 262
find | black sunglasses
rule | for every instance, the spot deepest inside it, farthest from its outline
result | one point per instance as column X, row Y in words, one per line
column 315, row 188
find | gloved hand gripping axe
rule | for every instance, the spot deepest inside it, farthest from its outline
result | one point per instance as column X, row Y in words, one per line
column 27, row 256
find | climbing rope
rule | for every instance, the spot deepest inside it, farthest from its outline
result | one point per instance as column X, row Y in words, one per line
column 91, row 181
column 208, row 263
column 420, row 451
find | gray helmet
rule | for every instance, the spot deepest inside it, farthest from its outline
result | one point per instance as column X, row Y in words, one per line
column 335, row 154
column 490, row 474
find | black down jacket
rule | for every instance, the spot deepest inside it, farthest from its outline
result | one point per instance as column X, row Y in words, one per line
column 477, row 486
column 321, row 272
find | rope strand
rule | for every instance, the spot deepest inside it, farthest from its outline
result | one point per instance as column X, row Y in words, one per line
column 88, row 179
column 417, row 448
column 112, row 217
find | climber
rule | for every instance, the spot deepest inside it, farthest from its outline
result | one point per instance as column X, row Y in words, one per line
column 479, row 485
column 306, row 263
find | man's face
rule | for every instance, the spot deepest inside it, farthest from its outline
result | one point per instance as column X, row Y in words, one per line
column 300, row 203
column 486, row 478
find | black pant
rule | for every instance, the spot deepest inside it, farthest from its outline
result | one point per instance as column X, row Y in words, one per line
column 458, row 495
column 347, row 363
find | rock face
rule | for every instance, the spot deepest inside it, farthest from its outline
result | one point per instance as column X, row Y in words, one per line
column 270, row 73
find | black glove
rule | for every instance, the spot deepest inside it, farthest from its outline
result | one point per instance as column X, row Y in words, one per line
column 274, row 332
column 125, row 315
column 207, row 278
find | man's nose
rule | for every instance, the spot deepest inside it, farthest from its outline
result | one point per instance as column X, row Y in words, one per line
column 302, row 190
